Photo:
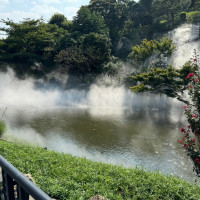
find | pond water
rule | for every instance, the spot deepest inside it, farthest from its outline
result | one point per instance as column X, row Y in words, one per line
column 103, row 123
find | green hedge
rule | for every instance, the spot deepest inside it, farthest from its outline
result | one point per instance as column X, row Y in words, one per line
column 64, row 176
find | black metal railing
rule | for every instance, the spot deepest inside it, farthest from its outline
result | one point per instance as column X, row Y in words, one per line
column 15, row 186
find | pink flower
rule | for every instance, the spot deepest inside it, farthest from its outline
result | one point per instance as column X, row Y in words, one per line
column 185, row 145
column 180, row 141
column 182, row 129
column 195, row 116
column 195, row 60
column 190, row 75
column 185, row 106
column 196, row 80
column 193, row 140
column 188, row 126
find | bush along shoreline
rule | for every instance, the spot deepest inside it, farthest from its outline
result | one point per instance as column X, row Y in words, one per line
column 63, row 176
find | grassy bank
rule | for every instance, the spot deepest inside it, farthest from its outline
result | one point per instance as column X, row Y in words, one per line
column 63, row 176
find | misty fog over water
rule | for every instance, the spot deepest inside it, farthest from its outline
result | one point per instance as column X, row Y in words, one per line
column 106, row 122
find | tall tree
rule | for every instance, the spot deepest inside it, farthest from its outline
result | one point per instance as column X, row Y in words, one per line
column 167, row 8
column 169, row 81
column 140, row 14
column 115, row 15
column 86, row 58
column 99, row 45
column 30, row 41
column 60, row 20
column 88, row 21
column 162, row 48
column 147, row 10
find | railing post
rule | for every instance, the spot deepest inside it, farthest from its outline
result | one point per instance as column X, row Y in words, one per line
column 22, row 194
column 1, row 184
column 8, row 186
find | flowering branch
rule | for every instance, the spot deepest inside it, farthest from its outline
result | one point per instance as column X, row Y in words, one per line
column 191, row 135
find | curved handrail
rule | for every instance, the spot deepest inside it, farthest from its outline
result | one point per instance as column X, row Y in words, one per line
column 22, row 181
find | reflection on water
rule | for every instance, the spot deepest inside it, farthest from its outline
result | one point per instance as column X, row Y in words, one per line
column 143, row 135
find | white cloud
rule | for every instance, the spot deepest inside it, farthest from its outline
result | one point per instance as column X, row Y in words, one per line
column 70, row 1
column 17, row 15
column 49, row 1
column 17, row 10
column 70, row 12
column 4, row 1
column 35, row 12
column 3, row 4
column 20, row 1
column 44, row 11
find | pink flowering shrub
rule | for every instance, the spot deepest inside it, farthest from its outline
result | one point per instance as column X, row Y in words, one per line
column 191, row 135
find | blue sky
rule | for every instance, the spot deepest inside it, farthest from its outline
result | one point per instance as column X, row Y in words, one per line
column 16, row 10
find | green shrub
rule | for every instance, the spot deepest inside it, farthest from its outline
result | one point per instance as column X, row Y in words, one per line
column 163, row 48
column 112, row 68
column 193, row 16
column 2, row 128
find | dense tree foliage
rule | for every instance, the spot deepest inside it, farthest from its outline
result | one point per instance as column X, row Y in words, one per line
column 162, row 48
column 31, row 41
column 170, row 81
column 27, row 40
column 88, row 21
column 118, row 25
column 115, row 14
column 61, row 21
column 86, row 58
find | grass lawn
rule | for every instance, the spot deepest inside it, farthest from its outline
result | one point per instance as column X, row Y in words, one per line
column 64, row 176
